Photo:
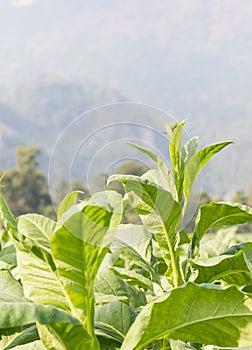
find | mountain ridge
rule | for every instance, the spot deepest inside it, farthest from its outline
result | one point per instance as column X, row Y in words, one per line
column 37, row 113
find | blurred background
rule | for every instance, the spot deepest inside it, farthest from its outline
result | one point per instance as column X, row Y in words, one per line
column 59, row 58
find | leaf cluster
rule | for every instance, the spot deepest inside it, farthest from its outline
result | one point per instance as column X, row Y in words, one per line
column 90, row 281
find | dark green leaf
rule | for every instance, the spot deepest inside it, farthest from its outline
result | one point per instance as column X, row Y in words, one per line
column 29, row 335
column 108, row 283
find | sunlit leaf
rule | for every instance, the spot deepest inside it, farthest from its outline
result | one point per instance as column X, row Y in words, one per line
column 234, row 269
column 215, row 215
column 204, row 314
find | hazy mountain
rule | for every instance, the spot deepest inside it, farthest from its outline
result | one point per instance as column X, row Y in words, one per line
column 190, row 58
column 39, row 111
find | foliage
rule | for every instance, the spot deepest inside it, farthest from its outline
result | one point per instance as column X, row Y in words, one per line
column 24, row 186
column 91, row 281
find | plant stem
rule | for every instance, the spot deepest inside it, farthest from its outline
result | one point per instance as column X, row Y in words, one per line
column 177, row 278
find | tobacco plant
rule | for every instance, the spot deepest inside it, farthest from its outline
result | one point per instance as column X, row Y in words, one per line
column 88, row 281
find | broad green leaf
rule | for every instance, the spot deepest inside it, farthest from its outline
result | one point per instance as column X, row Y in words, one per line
column 108, row 283
column 8, row 256
column 62, row 336
column 197, row 162
column 15, row 313
column 114, row 320
column 37, row 228
column 10, row 286
column 79, row 245
column 175, row 132
column 36, row 266
column 159, row 212
column 29, row 335
column 67, row 203
column 205, row 314
column 39, row 278
column 153, row 201
column 132, row 277
column 214, row 215
column 234, row 269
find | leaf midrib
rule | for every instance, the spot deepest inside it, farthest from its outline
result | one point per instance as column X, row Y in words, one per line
column 160, row 335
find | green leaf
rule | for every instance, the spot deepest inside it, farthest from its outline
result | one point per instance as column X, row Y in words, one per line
column 204, row 314
column 10, row 286
column 67, row 202
column 176, row 159
column 108, row 344
column 159, row 212
column 235, row 269
column 37, row 228
column 114, row 320
column 153, row 200
column 108, row 283
column 15, row 313
column 214, row 215
column 35, row 345
column 101, row 298
column 112, row 202
column 166, row 182
column 79, row 245
column 36, row 266
column 135, row 236
column 197, row 162
column 29, row 335
column 62, row 336
column 8, row 256
column 184, row 238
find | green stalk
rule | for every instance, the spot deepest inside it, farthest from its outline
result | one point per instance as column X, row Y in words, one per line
column 177, row 277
